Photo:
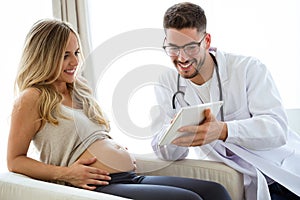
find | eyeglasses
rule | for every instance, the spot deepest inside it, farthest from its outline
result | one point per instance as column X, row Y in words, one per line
column 190, row 49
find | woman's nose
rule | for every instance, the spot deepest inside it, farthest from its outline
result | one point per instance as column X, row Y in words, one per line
column 74, row 60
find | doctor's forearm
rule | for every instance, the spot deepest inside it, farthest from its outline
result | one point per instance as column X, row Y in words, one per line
column 253, row 133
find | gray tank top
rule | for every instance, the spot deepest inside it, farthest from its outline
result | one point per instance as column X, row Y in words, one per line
column 62, row 145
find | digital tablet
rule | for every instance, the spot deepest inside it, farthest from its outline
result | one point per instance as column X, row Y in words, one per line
column 192, row 115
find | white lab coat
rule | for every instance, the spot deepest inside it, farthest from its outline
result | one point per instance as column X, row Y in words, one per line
column 259, row 142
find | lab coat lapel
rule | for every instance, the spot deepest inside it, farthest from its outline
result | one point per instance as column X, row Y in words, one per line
column 222, row 70
column 214, row 89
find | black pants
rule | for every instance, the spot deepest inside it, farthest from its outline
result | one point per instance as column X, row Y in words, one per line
column 129, row 185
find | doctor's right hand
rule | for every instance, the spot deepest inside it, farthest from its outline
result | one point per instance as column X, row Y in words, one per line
column 208, row 131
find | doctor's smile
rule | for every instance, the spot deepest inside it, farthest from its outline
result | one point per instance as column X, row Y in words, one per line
column 185, row 66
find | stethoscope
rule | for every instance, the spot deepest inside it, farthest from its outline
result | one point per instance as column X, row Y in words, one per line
column 219, row 83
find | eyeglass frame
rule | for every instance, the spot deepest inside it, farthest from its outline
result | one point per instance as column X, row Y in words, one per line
column 183, row 47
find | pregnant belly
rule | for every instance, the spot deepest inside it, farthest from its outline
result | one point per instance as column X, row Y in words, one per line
column 110, row 156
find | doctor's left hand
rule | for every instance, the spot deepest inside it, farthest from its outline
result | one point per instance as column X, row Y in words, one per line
column 206, row 132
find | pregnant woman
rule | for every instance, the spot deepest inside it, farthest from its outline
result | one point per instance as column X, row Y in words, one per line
column 55, row 110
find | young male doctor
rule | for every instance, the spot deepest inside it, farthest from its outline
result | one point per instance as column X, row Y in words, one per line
column 250, row 133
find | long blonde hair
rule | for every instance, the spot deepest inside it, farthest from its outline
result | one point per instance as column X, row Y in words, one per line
column 41, row 64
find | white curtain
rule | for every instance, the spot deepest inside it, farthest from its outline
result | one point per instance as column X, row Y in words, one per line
column 76, row 13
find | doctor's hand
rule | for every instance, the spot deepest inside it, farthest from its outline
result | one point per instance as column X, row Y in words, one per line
column 204, row 133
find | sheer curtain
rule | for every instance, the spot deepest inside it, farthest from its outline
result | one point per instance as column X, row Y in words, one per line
column 75, row 12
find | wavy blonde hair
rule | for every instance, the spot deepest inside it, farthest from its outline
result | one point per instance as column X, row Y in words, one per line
column 41, row 64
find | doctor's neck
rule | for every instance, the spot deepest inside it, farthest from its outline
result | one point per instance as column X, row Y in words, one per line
column 205, row 72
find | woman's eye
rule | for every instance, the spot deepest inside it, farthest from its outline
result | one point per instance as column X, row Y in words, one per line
column 77, row 53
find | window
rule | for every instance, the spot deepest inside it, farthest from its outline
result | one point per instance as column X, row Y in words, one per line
column 15, row 23
column 267, row 31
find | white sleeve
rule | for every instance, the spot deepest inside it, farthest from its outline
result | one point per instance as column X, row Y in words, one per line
column 163, row 92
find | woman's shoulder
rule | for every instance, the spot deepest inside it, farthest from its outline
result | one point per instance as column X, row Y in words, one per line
column 26, row 110
column 28, row 97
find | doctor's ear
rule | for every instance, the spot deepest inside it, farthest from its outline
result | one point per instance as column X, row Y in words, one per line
column 207, row 41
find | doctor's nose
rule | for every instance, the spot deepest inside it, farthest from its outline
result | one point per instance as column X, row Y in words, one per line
column 182, row 56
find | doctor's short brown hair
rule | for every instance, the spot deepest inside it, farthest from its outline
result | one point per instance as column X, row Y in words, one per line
column 185, row 15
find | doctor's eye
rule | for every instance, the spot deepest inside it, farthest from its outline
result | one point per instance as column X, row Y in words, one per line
column 171, row 51
column 191, row 49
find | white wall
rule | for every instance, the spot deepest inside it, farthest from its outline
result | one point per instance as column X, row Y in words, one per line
column 265, row 29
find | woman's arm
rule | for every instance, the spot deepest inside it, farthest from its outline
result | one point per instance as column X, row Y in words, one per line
column 25, row 123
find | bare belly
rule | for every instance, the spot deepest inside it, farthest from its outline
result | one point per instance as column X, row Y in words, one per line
column 110, row 156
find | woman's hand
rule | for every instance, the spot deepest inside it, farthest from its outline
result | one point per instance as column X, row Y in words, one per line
column 80, row 174
column 206, row 132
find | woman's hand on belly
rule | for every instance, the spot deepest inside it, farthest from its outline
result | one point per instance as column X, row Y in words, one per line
column 81, row 174
column 110, row 156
